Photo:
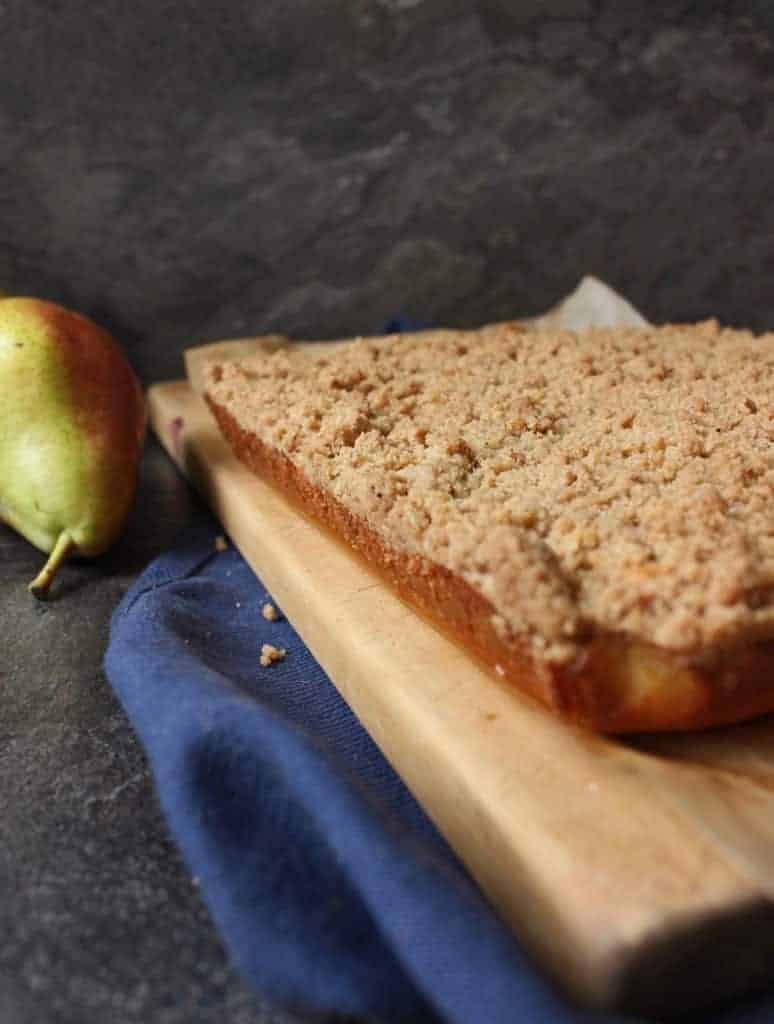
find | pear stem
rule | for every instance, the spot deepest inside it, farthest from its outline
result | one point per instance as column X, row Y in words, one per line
column 62, row 550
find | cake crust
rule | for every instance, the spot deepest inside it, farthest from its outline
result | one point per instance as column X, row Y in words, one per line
column 617, row 687
column 548, row 616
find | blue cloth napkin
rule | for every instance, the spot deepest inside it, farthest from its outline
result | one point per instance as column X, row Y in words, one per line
column 330, row 887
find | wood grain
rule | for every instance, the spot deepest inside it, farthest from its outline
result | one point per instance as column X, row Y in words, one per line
column 641, row 875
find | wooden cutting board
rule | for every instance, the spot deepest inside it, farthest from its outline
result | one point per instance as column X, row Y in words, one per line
column 639, row 874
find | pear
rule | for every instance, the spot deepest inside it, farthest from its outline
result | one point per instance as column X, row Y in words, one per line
column 72, row 422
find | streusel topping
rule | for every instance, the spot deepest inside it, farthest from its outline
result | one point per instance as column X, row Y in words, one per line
column 617, row 480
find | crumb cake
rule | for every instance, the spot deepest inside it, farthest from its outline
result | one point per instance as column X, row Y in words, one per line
column 588, row 512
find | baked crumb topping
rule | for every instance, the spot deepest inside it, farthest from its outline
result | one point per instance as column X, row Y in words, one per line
column 270, row 654
column 269, row 612
column 617, row 480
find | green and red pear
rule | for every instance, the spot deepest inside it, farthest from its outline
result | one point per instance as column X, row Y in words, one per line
column 72, row 422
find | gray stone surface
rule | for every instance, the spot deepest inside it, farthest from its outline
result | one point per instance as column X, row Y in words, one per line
column 99, row 921
column 184, row 170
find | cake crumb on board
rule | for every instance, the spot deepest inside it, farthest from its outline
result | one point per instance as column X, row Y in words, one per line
column 269, row 612
column 221, row 544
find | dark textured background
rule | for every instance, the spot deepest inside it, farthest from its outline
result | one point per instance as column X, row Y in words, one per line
column 188, row 170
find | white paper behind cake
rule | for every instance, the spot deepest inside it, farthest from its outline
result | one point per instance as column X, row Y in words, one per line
column 592, row 304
